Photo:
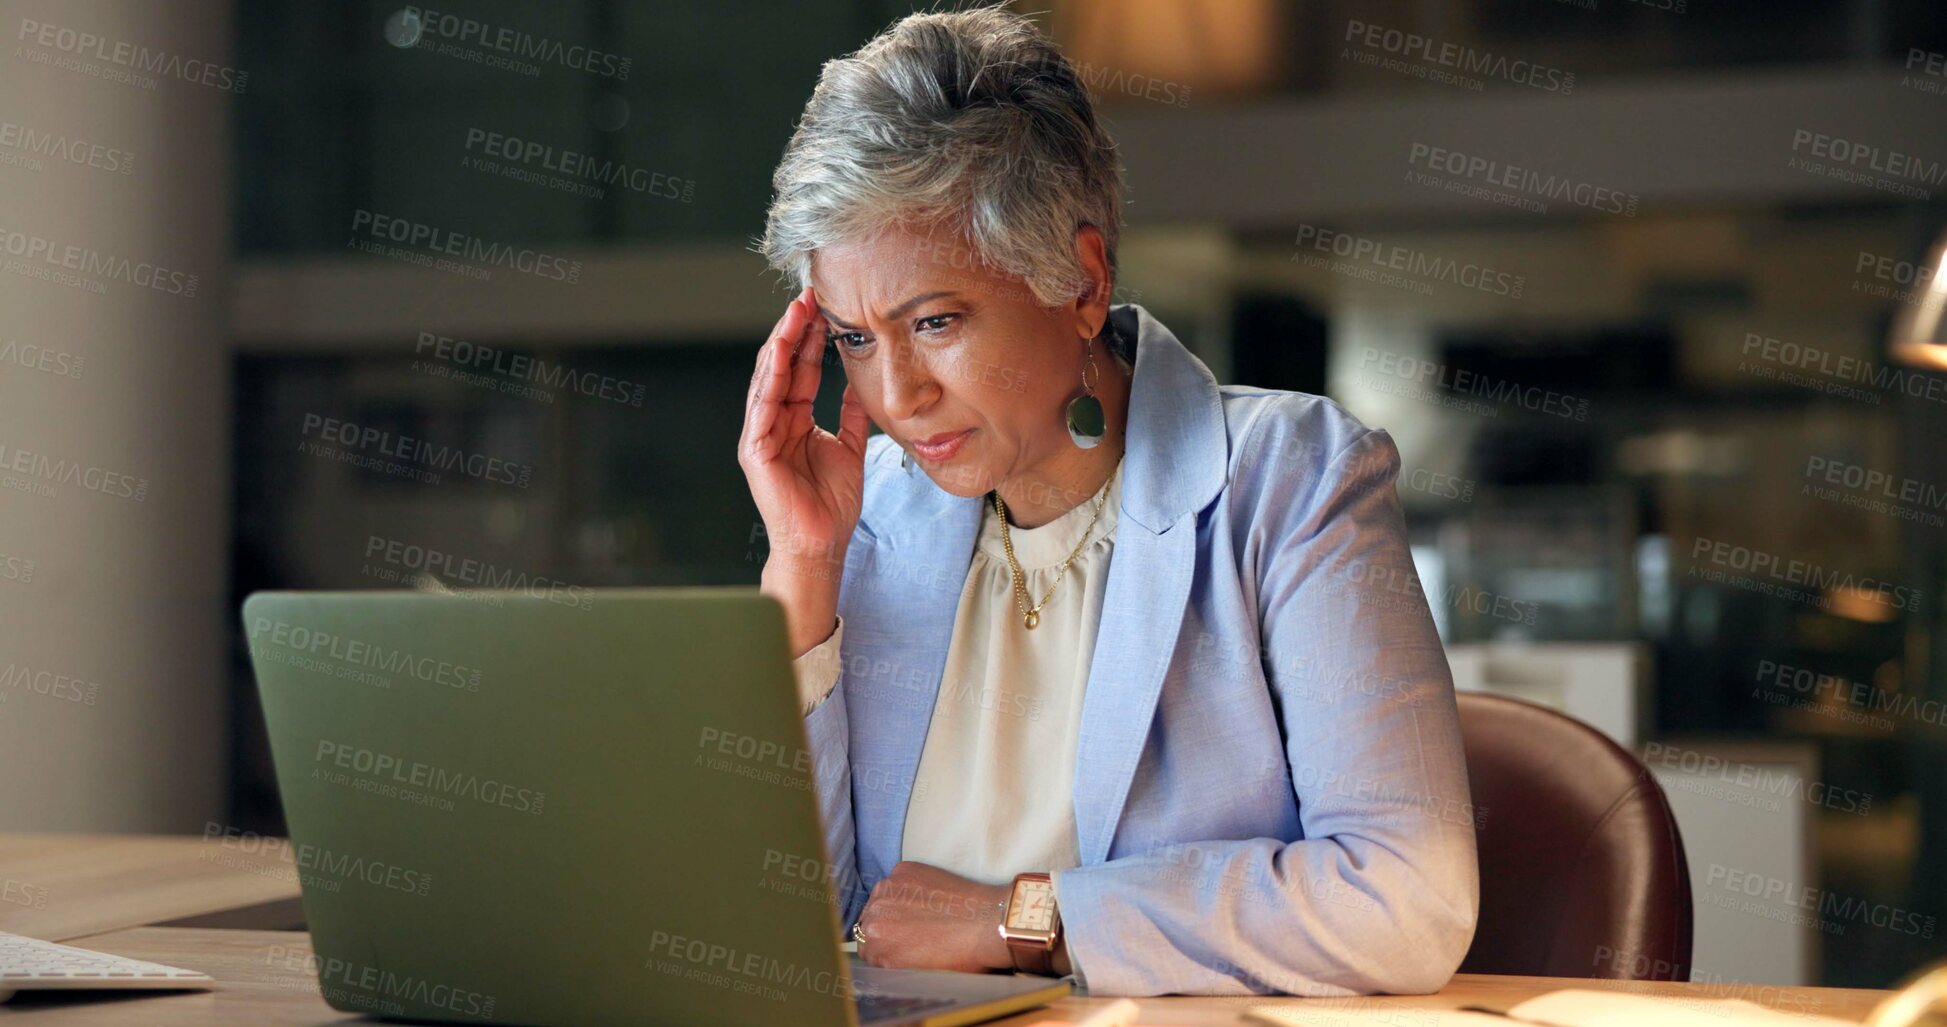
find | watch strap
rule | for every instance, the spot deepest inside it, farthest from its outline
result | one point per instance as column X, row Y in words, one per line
column 1032, row 958
column 1033, row 955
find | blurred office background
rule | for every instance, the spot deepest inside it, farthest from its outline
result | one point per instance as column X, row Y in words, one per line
column 1629, row 281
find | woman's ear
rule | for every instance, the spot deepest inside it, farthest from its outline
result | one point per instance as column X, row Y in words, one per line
column 1092, row 307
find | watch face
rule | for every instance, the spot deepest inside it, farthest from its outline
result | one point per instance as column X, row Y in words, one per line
column 1033, row 908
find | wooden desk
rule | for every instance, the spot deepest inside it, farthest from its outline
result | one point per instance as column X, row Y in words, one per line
column 267, row 981
column 62, row 886
column 99, row 892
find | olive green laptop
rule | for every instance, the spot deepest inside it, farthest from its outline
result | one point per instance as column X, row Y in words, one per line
column 581, row 808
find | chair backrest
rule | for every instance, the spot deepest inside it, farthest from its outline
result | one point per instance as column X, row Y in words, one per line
column 1582, row 868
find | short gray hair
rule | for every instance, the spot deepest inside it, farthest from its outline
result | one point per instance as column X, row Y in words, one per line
column 968, row 121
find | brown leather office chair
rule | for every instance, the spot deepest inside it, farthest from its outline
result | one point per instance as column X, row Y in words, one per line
column 1582, row 868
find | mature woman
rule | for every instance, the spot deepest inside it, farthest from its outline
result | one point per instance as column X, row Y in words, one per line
column 1108, row 669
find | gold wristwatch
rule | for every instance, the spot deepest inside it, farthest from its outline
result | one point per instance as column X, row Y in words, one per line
column 1031, row 925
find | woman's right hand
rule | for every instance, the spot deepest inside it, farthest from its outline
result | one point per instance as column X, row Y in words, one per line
column 808, row 483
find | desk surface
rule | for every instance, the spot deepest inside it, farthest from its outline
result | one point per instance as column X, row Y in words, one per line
column 61, row 886
column 98, row 889
column 266, row 979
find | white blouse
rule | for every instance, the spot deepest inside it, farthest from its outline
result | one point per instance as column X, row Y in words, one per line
column 994, row 788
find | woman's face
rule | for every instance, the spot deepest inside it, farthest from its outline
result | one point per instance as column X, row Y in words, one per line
column 961, row 366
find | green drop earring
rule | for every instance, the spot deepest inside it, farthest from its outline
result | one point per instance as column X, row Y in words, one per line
column 1086, row 422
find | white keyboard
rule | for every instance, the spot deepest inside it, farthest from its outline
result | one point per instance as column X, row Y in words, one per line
column 32, row 964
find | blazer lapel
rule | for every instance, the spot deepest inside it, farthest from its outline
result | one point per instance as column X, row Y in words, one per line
column 1142, row 610
column 1176, row 461
column 910, row 596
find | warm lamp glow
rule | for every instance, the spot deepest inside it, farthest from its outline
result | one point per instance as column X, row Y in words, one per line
column 1204, row 47
column 1855, row 603
column 1919, row 334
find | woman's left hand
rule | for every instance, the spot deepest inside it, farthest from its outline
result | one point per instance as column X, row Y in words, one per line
column 926, row 918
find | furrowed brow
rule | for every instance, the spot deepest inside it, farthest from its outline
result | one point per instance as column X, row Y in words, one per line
column 895, row 314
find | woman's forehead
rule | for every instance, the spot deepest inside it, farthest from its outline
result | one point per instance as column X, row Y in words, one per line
column 892, row 254
column 885, row 274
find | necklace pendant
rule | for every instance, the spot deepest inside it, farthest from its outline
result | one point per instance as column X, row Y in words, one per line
column 1033, row 618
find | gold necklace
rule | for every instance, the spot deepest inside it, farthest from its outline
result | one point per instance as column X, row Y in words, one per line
column 1032, row 616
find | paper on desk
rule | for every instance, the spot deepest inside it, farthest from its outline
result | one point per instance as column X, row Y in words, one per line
column 1572, row 1007
column 1139, row 1023
column 1370, row 1013
column 1578, row 1007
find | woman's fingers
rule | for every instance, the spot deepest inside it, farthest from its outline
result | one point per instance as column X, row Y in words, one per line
column 803, row 363
column 764, row 350
column 761, row 374
column 762, row 417
column 808, row 362
column 773, row 381
column 852, row 422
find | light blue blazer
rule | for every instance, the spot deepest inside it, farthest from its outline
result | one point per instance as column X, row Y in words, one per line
column 1269, row 789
